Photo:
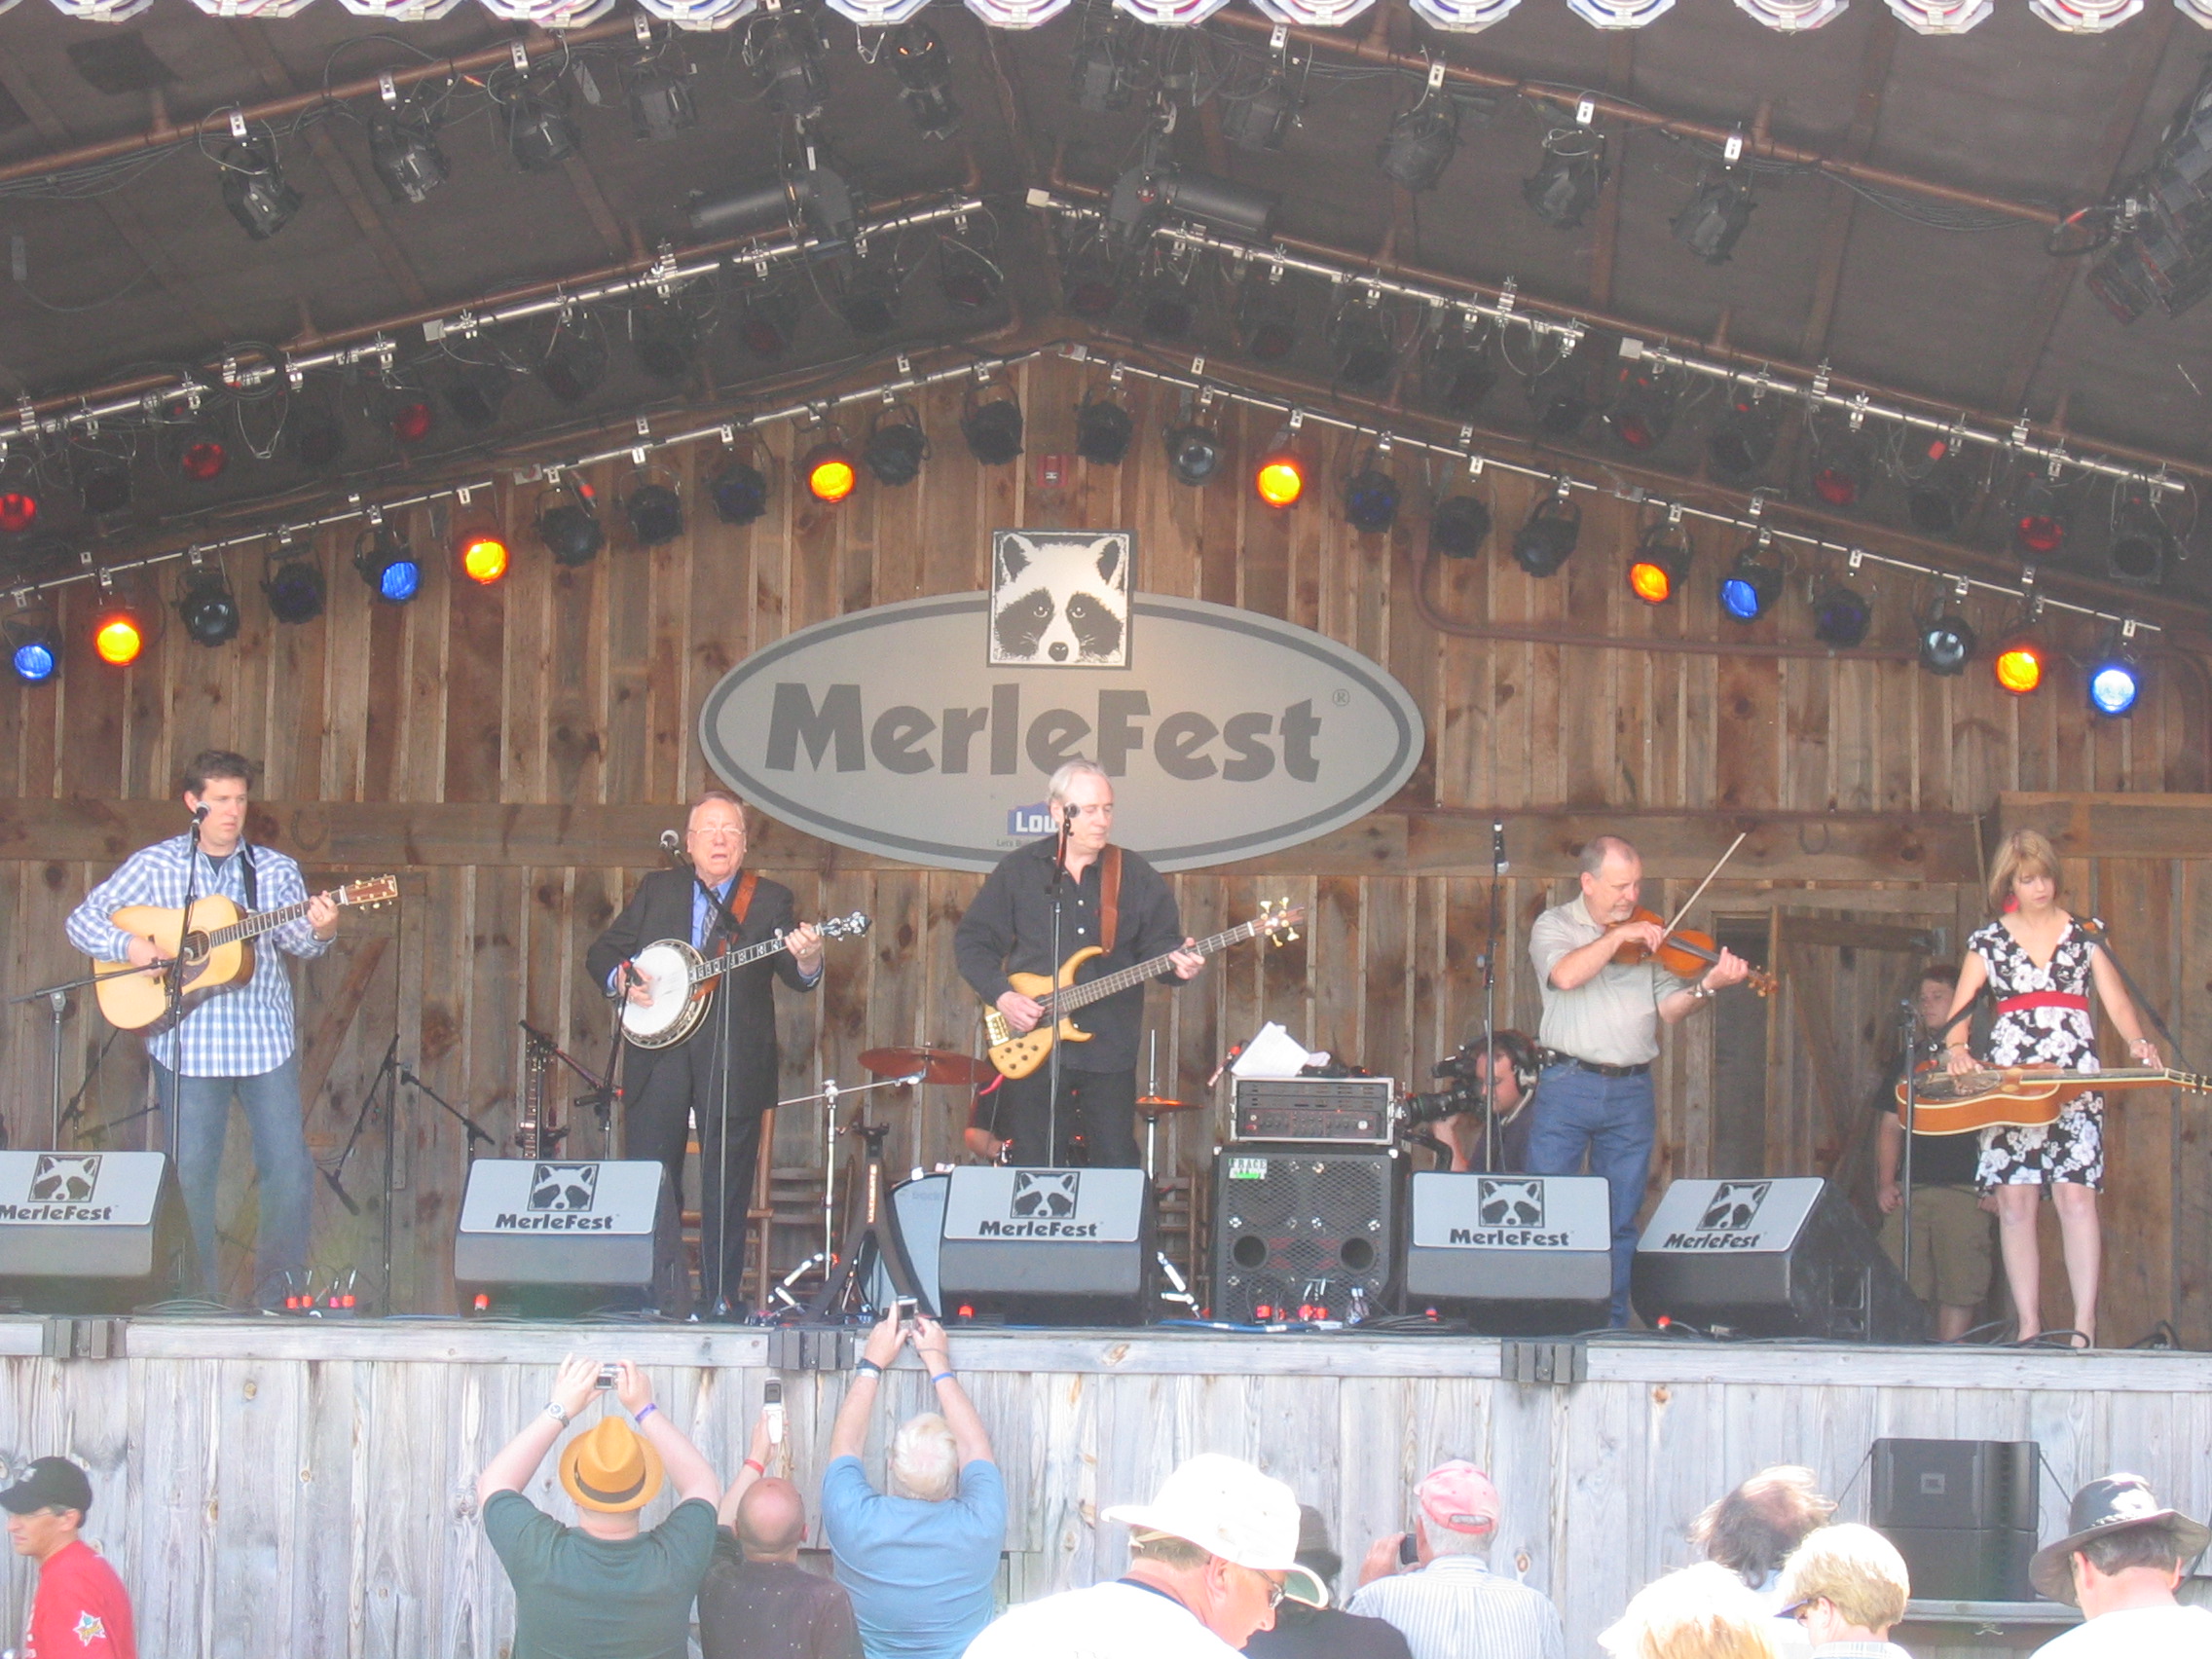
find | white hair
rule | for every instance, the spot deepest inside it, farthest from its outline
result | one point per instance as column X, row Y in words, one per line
column 1064, row 779
column 924, row 1461
column 1445, row 1541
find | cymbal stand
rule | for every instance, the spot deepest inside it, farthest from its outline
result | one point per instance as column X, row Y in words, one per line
column 838, row 1275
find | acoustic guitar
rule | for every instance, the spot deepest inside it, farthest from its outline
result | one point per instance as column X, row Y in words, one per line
column 1018, row 1055
column 217, row 954
column 1946, row 1103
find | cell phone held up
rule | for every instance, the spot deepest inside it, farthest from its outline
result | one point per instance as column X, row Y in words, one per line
column 1408, row 1551
column 606, row 1377
column 772, row 1410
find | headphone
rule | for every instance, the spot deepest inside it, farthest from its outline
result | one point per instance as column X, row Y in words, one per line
column 1523, row 1054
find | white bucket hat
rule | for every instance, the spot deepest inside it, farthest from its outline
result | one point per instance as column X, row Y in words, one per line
column 1228, row 1508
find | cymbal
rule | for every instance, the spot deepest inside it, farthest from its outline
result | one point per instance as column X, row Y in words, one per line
column 937, row 1065
column 1152, row 1105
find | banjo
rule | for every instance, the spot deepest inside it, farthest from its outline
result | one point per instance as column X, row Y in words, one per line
column 681, row 982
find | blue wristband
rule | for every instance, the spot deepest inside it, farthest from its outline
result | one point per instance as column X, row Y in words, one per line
column 645, row 1410
column 942, row 1377
column 867, row 1368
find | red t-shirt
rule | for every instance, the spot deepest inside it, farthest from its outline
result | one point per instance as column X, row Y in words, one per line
column 80, row 1610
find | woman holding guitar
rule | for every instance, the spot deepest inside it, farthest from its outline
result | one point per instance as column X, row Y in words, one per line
column 2040, row 967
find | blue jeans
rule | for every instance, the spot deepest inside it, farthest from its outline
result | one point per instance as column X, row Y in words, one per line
column 198, row 1112
column 1609, row 1122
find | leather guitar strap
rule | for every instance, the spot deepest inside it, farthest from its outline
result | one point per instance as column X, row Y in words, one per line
column 730, row 915
column 1108, row 896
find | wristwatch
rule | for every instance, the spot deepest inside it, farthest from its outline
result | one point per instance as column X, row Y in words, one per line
column 553, row 1410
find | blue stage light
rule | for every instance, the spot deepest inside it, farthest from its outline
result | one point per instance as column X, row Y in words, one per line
column 2114, row 687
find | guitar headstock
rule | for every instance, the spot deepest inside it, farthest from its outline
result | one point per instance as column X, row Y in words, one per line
column 1279, row 920
column 368, row 894
column 853, row 926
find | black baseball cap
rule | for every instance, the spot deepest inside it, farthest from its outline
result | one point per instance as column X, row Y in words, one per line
column 51, row 1483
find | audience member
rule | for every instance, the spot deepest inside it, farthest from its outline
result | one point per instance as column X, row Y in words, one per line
column 919, row 1558
column 1315, row 1630
column 80, row 1607
column 1753, row 1530
column 1701, row 1612
column 1211, row 1557
column 602, row 1589
column 757, row 1601
column 2120, row 1563
column 1452, row 1606
column 1846, row 1586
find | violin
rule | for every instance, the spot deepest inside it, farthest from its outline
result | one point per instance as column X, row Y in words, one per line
column 1684, row 954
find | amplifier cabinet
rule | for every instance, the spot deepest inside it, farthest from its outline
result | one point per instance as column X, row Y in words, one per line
column 1319, row 1111
column 1299, row 1229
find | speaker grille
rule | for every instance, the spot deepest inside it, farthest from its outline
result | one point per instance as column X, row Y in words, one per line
column 1295, row 1233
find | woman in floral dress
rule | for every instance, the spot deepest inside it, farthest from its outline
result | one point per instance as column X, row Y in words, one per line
column 2040, row 967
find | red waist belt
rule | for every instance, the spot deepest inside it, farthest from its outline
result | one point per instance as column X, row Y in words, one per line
column 2044, row 999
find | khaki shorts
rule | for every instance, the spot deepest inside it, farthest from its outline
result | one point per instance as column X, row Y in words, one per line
column 1953, row 1245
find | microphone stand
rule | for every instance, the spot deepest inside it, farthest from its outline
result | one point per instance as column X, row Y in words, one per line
column 1908, row 1025
column 172, row 986
column 2094, row 930
column 726, row 924
column 1497, row 870
column 1052, row 1157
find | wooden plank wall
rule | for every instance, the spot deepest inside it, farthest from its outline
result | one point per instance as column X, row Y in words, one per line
column 311, row 1492
column 487, row 719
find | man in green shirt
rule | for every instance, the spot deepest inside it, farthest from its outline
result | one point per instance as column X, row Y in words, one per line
column 602, row 1589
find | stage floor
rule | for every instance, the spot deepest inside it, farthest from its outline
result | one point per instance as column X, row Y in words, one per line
column 310, row 1486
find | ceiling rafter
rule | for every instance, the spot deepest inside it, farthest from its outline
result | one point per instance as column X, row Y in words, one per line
column 1843, row 202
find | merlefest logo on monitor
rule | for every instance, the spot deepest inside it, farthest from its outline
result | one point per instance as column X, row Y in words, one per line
column 61, row 1188
column 561, row 1199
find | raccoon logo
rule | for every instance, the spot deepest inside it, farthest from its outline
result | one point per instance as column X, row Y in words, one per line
column 1510, row 1204
column 1045, row 1194
column 564, row 1186
column 1059, row 600
column 1732, row 1205
column 59, row 1178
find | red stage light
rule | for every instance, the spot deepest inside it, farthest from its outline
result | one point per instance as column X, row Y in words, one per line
column 203, row 461
column 411, row 422
column 18, row 511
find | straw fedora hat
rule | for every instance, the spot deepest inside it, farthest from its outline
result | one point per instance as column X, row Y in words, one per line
column 610, row 1467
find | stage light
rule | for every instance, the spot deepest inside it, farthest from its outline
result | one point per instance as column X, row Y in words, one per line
column 1419, row 144
column 1262, row 119
column 1103, row 432
column 1936, row 495
column 1101, row 80
column 1662, row 562
column 1841, row 616
column 653, row 505
column 317, row 436
column 1547, row 537
column 1946, row 644
column 35, row 648
column 1565, row 183
column 294, row 587
column 2113, row 686
column 387, row 563
column 1371, row 500
column 965, row 276
column 201, row 456
column 207, row 607
column 540, row 132
column 476, row 393
column 1716, row 217
column 481, row 554
column 104, row 486
column 925, row 78
column 1560, row 398
column 411, row 416
column 1841, row 460
column 567, row 521
column 1741, row 441
column 575, row 358
column 2019, row 661
column 1223, row 205
column 784, row 51
column 1360, row 346
column 404, row 151
column 1280, row 476
column 1165, row 309
column 18, row 511
column 1458, row 371
column 1752, row 584
column 1266, row 316
column 896, row 446
column 771, row 323
column 1642, row 407
column 739, row 490
column 664, row 337
column 2141, row 544
column 661, row 106
column 867, row 294
column 829, row 471
column 992, row 427
column 2038, row 517
column 1194, row 453
column 1458, row 527
column 255, row 191
column 117, row 637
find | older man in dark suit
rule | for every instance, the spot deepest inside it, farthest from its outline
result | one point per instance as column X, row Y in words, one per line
column 725, row 1072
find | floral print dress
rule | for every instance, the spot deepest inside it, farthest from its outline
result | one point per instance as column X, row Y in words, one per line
column 2073, row 1148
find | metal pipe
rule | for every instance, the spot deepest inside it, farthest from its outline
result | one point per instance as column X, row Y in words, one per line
column 1756, row 140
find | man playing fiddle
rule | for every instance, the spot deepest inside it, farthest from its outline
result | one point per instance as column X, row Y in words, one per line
column 1601, row 1033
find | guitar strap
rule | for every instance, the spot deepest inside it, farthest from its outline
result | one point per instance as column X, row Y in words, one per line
column 246, row 871
column 730, row 914
column 1108, row 896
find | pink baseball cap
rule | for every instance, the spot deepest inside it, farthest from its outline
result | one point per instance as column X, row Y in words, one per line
column 1458, row 1497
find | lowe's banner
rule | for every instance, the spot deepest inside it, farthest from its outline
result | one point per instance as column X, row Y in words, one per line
column 1226, row 734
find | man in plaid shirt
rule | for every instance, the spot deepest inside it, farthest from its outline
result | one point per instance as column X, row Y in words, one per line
column 239, row 1041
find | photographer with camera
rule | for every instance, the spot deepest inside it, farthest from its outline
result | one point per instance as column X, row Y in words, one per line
column 1458, row 1117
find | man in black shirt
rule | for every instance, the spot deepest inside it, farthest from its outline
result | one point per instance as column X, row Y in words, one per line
column 1952, row 1253
column 757, row 1601
column 1112, row 898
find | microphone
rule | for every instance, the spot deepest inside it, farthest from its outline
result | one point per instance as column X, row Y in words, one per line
column 199, row 813
column 672, row 845
column 1497, row 858
column 1067, row 816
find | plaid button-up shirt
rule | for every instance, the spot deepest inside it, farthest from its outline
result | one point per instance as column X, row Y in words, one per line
column 240, row 1032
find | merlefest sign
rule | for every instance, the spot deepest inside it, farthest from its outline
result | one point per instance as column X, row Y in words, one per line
column 1226, row 734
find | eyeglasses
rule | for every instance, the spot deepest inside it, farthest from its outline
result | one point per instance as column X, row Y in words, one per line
column 1277, row 1589
column 719, row 834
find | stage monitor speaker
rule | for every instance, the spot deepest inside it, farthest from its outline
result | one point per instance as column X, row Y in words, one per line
column 1963, row 1513
column 1301, row 1234
column 917, row 1225
column 1513, row 1255
column 1047, row 1247
column 91, row 1232
column 553, row 1238
column 1778, row 1257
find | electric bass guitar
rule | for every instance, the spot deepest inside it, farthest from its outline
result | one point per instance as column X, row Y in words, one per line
column 216, row 955
column 681, row 981
column 1946, row 1103
column 1018, row 1055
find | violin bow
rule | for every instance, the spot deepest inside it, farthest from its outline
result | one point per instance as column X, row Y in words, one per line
column 1703, row 885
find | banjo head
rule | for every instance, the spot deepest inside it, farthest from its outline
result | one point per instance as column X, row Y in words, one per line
column 666, row 968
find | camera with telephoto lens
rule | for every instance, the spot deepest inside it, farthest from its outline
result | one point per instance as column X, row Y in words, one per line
column 1464, row 1070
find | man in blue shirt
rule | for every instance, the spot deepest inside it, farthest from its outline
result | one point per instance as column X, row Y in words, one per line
column 919, row 1561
